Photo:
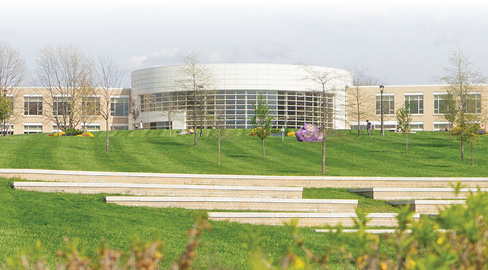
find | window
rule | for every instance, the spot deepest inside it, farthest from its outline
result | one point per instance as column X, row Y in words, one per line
column 119, row 127
column 91, row 127
column 439, row 126
column 417, row 126
column 32, row 105
column 473, row 103
column 32, row 128
column 91, row 105
column 415, row 102
column 61, row 106
column 8, row 129
column 119, row 106
column 439, row 103
column 388, row 104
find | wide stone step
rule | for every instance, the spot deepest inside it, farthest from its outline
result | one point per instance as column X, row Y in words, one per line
column 414, row 193
column 241, row 180
column 162, row 190
column 253, row 204
column 427, row 207
column 306, row 219
column 371, row 231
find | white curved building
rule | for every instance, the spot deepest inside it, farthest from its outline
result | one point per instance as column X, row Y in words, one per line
column 292, row 96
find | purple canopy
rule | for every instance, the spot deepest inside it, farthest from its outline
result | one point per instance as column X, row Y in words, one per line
column 309, row 133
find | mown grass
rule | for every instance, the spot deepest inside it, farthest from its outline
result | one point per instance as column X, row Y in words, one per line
column 430, row 154
column 27, row 216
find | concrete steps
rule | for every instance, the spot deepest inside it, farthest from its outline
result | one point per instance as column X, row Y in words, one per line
column 241, row 180
column 413, row 193
column 162, row 190
column 223, row 203
column 426, row 207
column 305, row 219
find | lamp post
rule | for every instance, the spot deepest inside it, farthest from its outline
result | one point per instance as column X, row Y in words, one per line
column 5, row 116
column 201, row 111
column 382, row 87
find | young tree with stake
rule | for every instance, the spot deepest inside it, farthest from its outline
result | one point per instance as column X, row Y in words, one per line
column 261, row 120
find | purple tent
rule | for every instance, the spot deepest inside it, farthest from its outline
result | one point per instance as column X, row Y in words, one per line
column 309, row 133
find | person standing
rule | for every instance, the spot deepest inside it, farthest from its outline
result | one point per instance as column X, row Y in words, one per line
column 368, row 127
column 141, row 125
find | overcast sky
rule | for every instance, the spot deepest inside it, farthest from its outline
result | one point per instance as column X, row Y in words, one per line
column 400, row 42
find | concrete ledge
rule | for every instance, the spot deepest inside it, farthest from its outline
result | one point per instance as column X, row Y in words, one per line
column 306, row 219
column 372, row 231
column 162, row 189
column 414, row 193
column 427, row 207
column 240, row 180
column 263, row 204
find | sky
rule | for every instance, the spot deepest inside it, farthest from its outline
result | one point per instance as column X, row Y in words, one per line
column 399, row 42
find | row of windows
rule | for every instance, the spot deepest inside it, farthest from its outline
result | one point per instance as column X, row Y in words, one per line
column 37, row 128
column 288, row 108
column 472, row 104
column 61, row 106
column 417, row 126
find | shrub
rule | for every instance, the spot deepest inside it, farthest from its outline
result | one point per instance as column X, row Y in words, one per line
column 456, row 131
column 290, row 134
column 73, row 132
column 87, row 134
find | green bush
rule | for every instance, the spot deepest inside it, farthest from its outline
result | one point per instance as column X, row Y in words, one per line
column 73, row 132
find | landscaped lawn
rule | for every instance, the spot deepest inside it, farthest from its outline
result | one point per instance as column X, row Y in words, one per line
column 27, row 216
column 430, row 154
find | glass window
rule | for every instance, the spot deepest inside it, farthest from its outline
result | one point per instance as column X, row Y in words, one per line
column 417, row 126
column 439, row 103
column 388, row 104
column 415, row 103
column 124, row 127
column 32, row 105
column 62, row 106
column 91, row 105
column 473, row 103
column 119, row 106
column 32, row 128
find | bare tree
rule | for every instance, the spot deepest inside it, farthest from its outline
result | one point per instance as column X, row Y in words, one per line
column 360, row 103
column 90, row 105
column 64, row 71
column 464, row 80
column 197, row 79
column 134, row 109
column 13, row 73
column 170, row 110
column 323, row 80
column 109, row 79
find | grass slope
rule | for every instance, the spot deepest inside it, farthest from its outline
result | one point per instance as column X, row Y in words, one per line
column 430, row 154
column 27, row 216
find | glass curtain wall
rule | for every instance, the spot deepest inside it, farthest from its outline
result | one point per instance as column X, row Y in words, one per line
column 289, row 108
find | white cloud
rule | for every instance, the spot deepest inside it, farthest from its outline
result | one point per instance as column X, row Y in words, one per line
column 272, row 50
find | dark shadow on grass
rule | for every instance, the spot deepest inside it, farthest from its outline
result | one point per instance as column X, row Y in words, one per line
column 170, row 143
column 239, row 156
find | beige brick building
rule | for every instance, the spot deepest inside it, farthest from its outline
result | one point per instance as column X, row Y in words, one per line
column 427, row 110
column 31, row 114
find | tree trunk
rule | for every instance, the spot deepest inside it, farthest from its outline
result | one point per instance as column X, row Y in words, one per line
column 218, row 149
column 108, row 136
column 264, row 152
column 462, row 149
column 170, row 128
column 359, row 126
column 323, row 154
column 406, row 143
column 195, row 142
column 472, row 156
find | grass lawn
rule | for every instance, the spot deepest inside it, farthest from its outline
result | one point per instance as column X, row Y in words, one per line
column 27, row 216
column 430, row 154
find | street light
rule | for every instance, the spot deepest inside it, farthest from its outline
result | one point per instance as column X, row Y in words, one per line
column 4, row 117
column 382, row 87
column 201, row 111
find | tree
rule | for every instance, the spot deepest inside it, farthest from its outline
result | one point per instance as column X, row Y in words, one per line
column 404, row 119
column 196, row 79
column 261, row 120
column 449, row 110
column 89, row 107
column 359, row 102
column 109, row 78
column 66, row 73
column 134, row 109
column 468, row 132
column 13, row 73
column 464, row 80
column 219, row 125
column 323, row 80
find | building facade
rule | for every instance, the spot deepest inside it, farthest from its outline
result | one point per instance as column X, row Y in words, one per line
column 293, row 98
column 425, row 101
column 34, row 110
